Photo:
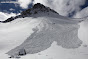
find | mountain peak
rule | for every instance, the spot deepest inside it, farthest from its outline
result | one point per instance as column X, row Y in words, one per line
column 37, row 8
column 38, row 5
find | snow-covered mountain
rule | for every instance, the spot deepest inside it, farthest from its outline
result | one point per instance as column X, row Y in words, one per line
column 37, row 11
column 42, row 30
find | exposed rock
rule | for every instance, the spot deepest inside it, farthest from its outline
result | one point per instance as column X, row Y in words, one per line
column 36, row 9
column 22, row 52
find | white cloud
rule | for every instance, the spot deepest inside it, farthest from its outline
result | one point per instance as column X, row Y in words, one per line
column 82, row 32
column 4, row 16
column 63, row 7
column 82, row 13
column 24, row 3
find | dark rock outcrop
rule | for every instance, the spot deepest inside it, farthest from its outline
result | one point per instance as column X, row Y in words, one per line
column 22, row 52
column 36, row 9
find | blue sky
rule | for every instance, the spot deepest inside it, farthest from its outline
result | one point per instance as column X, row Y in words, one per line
column 16, row 8
column 5, row 7
column 85, row 5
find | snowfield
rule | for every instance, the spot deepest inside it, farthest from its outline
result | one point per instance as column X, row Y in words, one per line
column 17, row 33
column 49, row 30
column 45, row 35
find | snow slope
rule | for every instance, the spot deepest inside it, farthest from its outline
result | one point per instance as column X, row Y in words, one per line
column 63, row 31
column 13, row 34
column 44, row 36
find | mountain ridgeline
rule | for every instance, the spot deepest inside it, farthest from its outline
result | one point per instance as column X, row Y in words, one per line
column 36, row 9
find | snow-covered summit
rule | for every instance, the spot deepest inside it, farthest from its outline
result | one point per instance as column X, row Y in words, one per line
column 37, row 10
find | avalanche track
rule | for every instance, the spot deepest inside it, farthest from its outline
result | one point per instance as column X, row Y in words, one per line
column 48, row 30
